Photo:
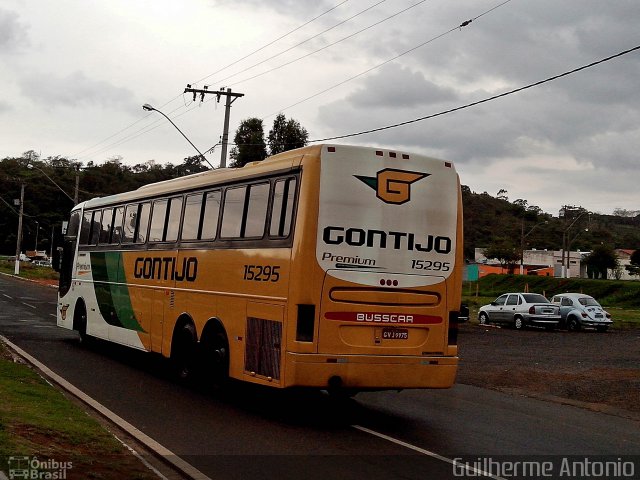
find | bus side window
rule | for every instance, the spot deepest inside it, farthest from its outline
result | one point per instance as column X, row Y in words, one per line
column 158, row 218
column 85, row 229
column 256, row 218
column 95, row 227
column 232, row 212
column 192, row 213
column 211, row 215
column 130, row 220
column 107, row 222
column 173, row 219
column 116, row 234
column 282, row 211
column 142, row 228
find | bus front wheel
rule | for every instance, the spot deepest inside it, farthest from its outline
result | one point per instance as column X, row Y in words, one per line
column 80, row 322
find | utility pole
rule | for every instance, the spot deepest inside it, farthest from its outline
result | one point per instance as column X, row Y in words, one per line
column 227, row 109
column 75, row 192
column 16, row 270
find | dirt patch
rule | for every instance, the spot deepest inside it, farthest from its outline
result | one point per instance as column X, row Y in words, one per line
column 596, row 369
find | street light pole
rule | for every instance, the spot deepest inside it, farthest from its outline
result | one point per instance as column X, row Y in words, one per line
column 16, row 269
column 522, row 237
column 566, row 244
column 149, row 108
column 35, row 247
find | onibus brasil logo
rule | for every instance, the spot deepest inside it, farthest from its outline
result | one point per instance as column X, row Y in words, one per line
column 391, row 185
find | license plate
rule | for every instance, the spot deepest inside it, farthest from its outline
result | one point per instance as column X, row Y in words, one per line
column 598, row 315
column 395, row 333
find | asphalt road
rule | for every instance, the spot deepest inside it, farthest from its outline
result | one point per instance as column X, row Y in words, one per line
column 252, row 432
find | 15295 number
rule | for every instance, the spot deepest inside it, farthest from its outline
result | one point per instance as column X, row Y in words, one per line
column 262, row 273
column 429, row 265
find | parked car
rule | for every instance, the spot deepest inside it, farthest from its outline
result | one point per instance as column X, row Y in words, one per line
column 578, row 310
column 521, row 309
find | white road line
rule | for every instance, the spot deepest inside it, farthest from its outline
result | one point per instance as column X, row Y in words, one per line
column 8, row 296
column 28, row 305
column 429, row 453
column 53, row 315
column 141, row 437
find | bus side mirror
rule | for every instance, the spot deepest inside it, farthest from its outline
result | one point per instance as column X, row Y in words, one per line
column 56, row 261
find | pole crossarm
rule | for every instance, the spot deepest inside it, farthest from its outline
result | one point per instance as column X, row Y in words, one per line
column 231, row 97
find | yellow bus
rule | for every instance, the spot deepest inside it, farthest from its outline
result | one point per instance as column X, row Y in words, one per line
column 331, row 266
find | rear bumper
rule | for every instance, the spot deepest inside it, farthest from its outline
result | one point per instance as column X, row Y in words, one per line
column 370, row 372
column 542, row 319
column 596, row 323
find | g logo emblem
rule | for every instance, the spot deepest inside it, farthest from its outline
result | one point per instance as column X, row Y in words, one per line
column 393, row 186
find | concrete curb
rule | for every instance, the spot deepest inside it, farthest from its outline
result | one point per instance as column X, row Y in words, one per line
column 27, row 280
column 156, row 448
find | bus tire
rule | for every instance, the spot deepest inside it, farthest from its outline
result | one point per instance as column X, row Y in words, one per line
column 80, row 322
column 183, row 352
column 215, row 348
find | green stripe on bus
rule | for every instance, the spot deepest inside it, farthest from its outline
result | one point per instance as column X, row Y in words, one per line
column 111, row 290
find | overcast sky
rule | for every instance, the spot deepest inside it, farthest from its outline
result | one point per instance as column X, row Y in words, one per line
column 75, row 73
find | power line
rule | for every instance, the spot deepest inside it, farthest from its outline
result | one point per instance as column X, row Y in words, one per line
column 178, row 96
column 329, row 45
column 304, row 41
column 485, row 100
column 272, row 42
column 457, row 27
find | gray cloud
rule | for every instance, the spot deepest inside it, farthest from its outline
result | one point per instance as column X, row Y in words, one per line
column 13, row 35
column 73, row 90
column 5, row 107
column 398, row 87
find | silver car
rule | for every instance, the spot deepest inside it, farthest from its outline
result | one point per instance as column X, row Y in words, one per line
column 521, row 309
column 578, row 310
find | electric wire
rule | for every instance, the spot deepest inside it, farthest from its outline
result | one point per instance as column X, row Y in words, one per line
column 326, row 46
column 485, row 100
column 272, row 42
column 178, row 96
column 317, row 94
column 303, row 42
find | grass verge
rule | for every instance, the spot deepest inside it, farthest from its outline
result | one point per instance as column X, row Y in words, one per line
column 28, row 270
column 37, row 420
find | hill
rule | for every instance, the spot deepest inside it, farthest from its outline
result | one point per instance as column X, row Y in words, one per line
column 50, row 185
column 489, row 220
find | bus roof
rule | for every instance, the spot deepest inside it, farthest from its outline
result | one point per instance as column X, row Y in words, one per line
column 277, row 163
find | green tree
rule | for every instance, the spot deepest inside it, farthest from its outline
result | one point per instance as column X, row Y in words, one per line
column 249, row 140
column 286, row 135
column 634, row 266
column 601, row 259
column 504, row 250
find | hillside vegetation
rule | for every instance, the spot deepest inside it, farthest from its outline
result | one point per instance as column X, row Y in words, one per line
column 50, row 185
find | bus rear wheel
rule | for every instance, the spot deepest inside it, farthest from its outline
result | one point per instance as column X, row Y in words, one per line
column 215, row 353
column 183, row 353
